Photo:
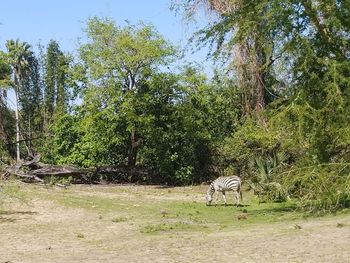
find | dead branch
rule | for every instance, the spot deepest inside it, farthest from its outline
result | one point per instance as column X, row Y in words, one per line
column 35, row 171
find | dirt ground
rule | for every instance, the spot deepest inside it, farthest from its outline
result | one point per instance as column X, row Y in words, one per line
column 44, row 231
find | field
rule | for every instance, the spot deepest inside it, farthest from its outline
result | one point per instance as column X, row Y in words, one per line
column 127, row 223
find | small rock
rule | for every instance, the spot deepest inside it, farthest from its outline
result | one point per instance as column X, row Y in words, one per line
column 164, row 212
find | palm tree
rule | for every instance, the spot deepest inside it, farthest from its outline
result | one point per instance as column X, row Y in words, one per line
column 19, row 54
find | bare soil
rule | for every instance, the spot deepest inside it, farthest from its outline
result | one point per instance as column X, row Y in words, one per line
column 45, row 231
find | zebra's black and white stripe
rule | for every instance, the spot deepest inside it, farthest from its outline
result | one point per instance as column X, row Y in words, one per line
column 223, row 184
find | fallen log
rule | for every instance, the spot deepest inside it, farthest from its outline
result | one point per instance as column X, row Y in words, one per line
column 15, row 171
column 30, row 177
column 34, row 163
column 60, row 170
column 81, row 175
column 36, row 171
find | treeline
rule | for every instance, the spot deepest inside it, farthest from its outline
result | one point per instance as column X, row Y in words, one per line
column 276, row 110
column 117, row 104
column 40, row 85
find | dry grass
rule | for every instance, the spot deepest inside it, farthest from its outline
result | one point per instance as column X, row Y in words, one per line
column 153, row 224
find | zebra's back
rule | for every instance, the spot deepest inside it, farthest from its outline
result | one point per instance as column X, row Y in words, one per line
column 229, row 183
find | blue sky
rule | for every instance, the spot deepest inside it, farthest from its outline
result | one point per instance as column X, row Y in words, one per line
column 37, row 21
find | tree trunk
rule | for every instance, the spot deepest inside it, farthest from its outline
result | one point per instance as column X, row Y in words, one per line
column 18, row 155
column 134, row 143
column 250, row 75
column 133, row 148
column 249, row 62
column 312, row 13
column 259, row 75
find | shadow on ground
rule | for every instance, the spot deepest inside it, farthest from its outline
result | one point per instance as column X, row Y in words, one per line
column 13, row 216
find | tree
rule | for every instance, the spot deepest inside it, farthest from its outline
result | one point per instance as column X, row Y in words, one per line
column 31, row 104
column 62, row 96
column 5, row 116
column 55, row 92
column 123, row 57
column 19, row 54
column 238, row 36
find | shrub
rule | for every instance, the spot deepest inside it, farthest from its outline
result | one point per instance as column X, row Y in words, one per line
column 320, row 188
column 265, row 181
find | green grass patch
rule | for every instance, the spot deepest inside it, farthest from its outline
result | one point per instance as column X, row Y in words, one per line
column 161, row 210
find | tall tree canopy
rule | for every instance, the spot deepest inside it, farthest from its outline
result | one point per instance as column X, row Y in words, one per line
column 266, row 42
column 56, row 93
column 119, row 59
column 5, row 119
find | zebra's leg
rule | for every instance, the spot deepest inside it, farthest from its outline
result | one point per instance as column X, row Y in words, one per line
column 236, row 195
column 216, row 197
column 224, row 197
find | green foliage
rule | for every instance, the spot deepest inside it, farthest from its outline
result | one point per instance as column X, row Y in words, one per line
column 119, row 60
column 4, row 71
column 55, row 91
column 250, row 139
column 135, row 115
column 31, row 106
column 174, row 126
column 307, row 44
column 181, row 146
column 19, row 57
column 7, row 131
column 307, row 137
column 62, row 140
column 321, row 188
column 266, row 180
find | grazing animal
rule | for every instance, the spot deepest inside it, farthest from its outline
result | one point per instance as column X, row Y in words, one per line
column 223, row 184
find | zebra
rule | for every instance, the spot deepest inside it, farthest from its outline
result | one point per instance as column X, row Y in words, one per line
column 222, row 184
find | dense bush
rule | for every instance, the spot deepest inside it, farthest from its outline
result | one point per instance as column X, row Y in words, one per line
column 297, row 152
column 320, row 188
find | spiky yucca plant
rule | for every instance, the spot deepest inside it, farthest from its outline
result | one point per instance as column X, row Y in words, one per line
column 266, row 182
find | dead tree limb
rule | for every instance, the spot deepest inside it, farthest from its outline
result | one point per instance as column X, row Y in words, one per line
column 35, row 171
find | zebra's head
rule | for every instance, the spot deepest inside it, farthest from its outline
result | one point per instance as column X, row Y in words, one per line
column 208, row 198
column 209, row 195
